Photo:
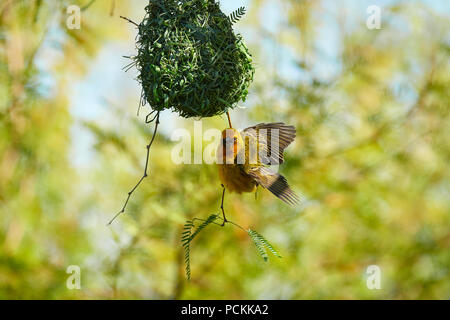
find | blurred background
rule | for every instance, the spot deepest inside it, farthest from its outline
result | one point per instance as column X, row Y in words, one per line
column 371, row 159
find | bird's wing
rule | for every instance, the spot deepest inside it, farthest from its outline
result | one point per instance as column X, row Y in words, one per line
column 275, row 183
column 271, row 140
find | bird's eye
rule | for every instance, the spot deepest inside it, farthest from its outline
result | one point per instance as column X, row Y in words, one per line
column 234, row 139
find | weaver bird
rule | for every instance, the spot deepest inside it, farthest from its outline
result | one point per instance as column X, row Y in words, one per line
column 244, row 158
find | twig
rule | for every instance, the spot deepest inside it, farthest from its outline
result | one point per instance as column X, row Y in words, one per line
column 87, row 6
column 221, row 206
column 203, row 220
column 235, row 224
column 130, row 21
column 154, row 117
column 145, row 171
column 229, row 120
column 220, row 224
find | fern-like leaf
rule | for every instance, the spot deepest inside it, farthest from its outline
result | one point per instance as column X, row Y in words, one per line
column 262, row 244
column 261, row 250
column 205, row 223
column 185, row 239
column 187, row 236
column 236, row 15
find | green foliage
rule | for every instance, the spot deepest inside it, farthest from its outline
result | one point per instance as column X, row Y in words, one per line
column 237, row 15
column 371, row 159
column 189, row 59
column 186, row 242
column 188, row 236
column 262, row 244
column 259, row 246
column 41, row 232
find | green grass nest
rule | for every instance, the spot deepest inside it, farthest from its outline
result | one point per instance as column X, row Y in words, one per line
column 189, row 59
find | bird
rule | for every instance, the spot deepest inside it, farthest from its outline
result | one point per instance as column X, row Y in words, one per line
column 244, row 159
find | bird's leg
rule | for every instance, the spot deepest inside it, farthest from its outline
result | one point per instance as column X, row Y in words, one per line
column 221, row 206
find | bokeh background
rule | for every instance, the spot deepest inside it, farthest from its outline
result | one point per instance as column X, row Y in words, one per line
column 371, row 159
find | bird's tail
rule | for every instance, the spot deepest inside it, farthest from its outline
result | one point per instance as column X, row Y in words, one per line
column 275, row 183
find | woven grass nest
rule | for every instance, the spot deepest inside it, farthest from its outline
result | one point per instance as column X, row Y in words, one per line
column 190, row 60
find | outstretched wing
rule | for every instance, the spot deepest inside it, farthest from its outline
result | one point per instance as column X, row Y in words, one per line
column 271, row 139
column 275, row 183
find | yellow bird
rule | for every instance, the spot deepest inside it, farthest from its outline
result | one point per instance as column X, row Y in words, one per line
column 244, row 158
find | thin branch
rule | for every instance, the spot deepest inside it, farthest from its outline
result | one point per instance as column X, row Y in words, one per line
column 145, row 172
column 235, row 224
column 141, row 102
column 87, row 6
column 229, row 120
column 203, row 220
column 220, row 224
column 221, row 206
column 154, row 117
column 130, row 21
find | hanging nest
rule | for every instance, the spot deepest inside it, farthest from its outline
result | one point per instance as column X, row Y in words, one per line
column 189, row 59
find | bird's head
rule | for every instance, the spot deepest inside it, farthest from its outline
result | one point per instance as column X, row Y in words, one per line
column 230, row 145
